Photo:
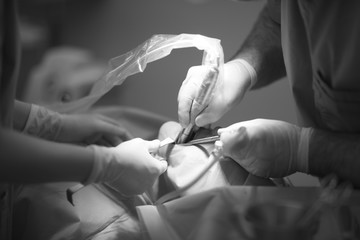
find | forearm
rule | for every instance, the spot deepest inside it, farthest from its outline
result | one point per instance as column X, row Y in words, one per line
column 337, row 153
column 26, row 159
column 262, row 48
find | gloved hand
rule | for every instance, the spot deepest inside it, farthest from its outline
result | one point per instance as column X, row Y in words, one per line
column 74, row 128
column 267, row 148
column 92, row 129
column 129, row 167
column 238, row 77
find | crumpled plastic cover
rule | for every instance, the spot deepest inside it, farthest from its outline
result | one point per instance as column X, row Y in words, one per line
column 132, row 62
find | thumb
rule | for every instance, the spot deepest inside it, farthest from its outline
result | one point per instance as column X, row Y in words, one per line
column 163, row 165
column 153, row 146
column 233, row 139
column 205, row 118
column 232, row 128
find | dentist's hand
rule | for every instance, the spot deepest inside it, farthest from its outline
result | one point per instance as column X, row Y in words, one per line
column 129, row 168
column 267, row 148
column 231, row 88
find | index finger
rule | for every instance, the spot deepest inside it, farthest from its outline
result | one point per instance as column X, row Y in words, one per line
column 110, row 126
column 185, row 101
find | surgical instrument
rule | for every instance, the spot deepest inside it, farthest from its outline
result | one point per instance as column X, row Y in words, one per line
column 211, row 139
column 202, row 140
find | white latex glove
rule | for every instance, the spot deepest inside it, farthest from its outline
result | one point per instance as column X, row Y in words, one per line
column 74, row 128
column 129, row 168
column 267, row 148
column 237, row 79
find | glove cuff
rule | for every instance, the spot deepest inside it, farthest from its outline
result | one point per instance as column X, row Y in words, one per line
column 98, row 166
column 43, row 123
column 250, row 69
column 303, row 150
column 103, row 165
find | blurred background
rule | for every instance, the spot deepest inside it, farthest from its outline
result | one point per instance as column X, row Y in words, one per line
column 58, row 34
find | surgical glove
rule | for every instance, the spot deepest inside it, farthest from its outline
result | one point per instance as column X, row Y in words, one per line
column 238, row 77
column 89, row 128
column 74, row 128
column 43, row 123
column 267, row 148
column 129, row 168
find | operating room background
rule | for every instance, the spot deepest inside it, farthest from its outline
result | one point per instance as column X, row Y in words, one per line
column 110, row 28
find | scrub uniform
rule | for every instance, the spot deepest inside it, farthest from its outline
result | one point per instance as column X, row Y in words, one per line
column 9, row 63
column 321, row 47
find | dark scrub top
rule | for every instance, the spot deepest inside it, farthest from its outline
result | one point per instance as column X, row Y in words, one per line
column 9, row 63
column 321, row 46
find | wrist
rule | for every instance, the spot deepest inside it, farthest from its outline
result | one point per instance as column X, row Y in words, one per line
column 97, row 168
column 104, row 163
column 43, row 123
column 237, row 81
column 252, row 75
column 303, row 150
column 21, row 115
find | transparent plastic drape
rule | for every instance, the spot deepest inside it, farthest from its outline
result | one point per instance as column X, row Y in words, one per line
column 157, row 47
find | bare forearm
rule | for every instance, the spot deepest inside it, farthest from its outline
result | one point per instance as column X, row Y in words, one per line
column 262, row 48
column 26, row 159
column 337, row 153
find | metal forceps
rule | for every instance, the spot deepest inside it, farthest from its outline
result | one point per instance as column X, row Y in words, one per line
column 202, row 140
column 211, row 139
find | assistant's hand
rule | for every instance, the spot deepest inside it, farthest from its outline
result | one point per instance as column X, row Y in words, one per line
column 267, row 148
column 130, row 168
column 236, row 81
column 91, row 128
column 86, row 128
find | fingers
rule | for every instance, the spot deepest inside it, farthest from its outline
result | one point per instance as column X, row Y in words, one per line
column 232, row 133
column 114, row 140
column 185, row 101
column 113, row 130
column 104, row 140
column 234, row 139
column 188, row 109
column 163, row 165
column 153, row 147
column 231, row 128
column 92, row 139
column 206, row 117
column 186, row 97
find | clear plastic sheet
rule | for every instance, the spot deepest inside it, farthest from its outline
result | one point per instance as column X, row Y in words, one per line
column 130, row 63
